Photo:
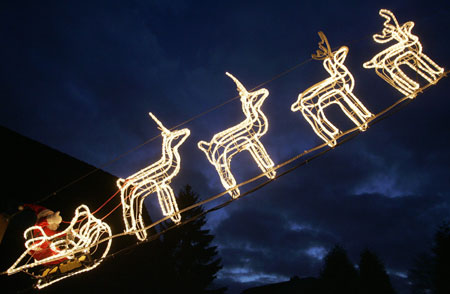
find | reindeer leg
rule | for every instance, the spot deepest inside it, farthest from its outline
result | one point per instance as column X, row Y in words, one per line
column 223, row 166
column 388, row 75
column 389, row 72
column 355, row 109
column 142, row 233
column 137, row 205
column 126, row 192
column 434, row 70
column 316, row 123
column 261, row 157
column 401, row 79
column 422, row 64
column 326, row 128
column 135, row 198
column 168, row 202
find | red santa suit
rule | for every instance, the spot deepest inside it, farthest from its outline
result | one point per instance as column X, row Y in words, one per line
column 49, row 222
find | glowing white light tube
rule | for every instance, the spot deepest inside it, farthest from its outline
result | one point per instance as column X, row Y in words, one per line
column 244, row 136
column 154, row 178
column 337, row 89
column 77, row 239
column 407, row 51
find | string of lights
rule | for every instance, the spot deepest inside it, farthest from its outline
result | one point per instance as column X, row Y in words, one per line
column 243, row 136
column 346, row 136
column 353, row 132
column 79, row 237
column 117, row 158
column 154, row 178
column 407, row 51
column 338, row 87
column 321, row 150
column 342, row 138
column 335, row 90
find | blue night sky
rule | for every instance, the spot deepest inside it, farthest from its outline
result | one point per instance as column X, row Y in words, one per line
column 81, row 77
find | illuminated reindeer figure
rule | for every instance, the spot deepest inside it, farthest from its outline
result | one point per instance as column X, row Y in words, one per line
column 244, row 136
column 154, row 178
column 407, row 51
column 337, row 89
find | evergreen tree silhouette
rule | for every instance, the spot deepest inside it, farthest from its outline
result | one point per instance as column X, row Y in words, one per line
column 191, row 262
column 338, row 274
column 373, row 278
column 421, row 274
column 431, row 271
column 441, row 254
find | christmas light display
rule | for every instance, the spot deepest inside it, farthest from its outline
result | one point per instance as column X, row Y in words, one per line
column 337, row 89
column 154, row 178
column 86, row 241
column 244, row 136
column 406, row 52
column 77, row 244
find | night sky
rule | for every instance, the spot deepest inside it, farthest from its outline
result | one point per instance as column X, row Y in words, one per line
column 82, row 77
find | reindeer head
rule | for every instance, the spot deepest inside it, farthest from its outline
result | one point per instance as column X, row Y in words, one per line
column 332, row 61
column 393, row 31
column 179, row 136
column 335, row 65
column 249, row 99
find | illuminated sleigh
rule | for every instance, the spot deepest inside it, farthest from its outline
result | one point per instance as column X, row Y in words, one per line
column 406, row 52
column 244, row 136
column 76, row 247
column 154, row 178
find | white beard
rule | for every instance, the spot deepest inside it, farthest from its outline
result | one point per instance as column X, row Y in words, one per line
column 53, row 227
column 54, row 220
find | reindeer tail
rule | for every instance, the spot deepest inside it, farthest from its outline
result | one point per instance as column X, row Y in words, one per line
column 369, row 64
column 204, row 146
column 120, row 183
column 297, row 106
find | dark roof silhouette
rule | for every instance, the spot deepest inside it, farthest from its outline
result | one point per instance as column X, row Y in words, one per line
column 33, row 171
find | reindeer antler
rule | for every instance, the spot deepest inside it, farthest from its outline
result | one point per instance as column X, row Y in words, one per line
column 239, row 86
column 160, row 125
column 389, row 15
column 323, row 52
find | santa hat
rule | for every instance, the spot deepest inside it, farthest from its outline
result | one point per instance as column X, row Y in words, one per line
column 40, row 211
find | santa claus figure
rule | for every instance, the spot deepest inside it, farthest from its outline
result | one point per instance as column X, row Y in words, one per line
column 49, row 222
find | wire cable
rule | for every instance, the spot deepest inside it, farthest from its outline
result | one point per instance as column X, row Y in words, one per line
column 345, row 137
column 101, row 206
column 180, row 124
column 394, row 108
column 101, row 167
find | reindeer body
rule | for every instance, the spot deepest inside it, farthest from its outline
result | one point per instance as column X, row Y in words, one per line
column 406, row 52
column 154, row 178
column 337, row 89
column 244, row 136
